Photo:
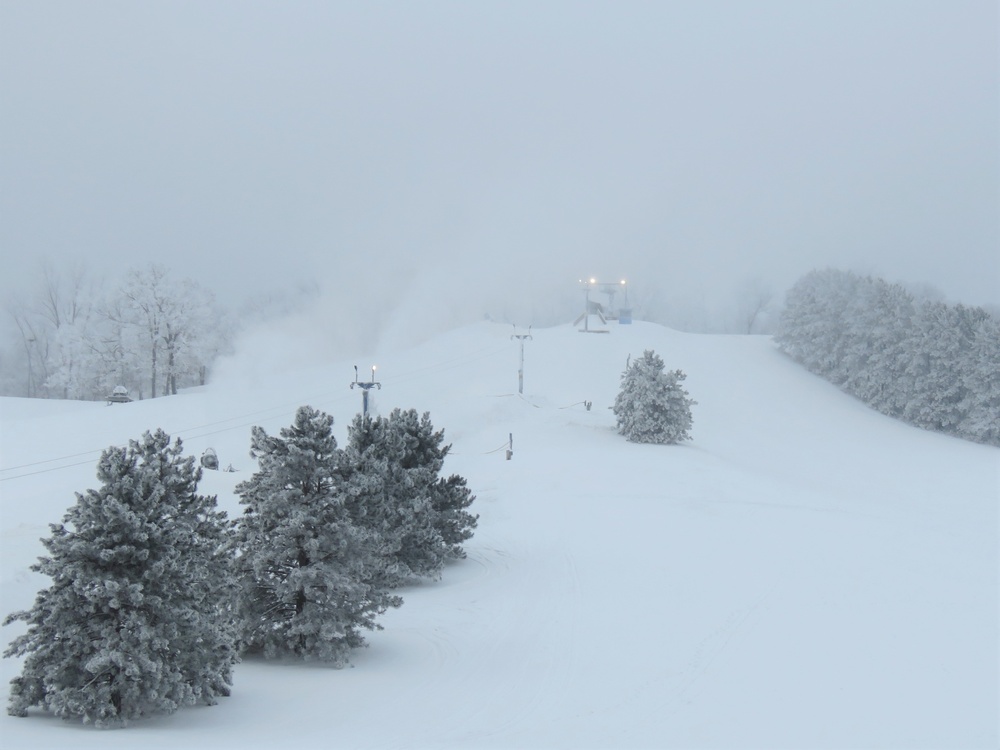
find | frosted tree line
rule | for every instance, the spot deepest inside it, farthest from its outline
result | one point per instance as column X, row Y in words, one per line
column 926, row 362
column 151, row 333
column 155, row 593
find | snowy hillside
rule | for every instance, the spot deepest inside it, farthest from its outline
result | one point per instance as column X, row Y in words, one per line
column 803, row 573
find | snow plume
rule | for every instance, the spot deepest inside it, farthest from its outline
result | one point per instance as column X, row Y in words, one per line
column 376, row 302
column 463, row 290
column 341, row 319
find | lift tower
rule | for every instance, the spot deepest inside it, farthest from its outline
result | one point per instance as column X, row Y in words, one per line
column 522, row 337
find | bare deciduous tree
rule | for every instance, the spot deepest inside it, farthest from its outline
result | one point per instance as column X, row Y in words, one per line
column 153, row 334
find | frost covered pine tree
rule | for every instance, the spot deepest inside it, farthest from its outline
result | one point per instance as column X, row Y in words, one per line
column 450, row 498
column 424, row 451
column 652, row 405
column 307, row 589
column 982, row 375
column 396, row 491
column 924, row 361
column 137, row 620
column 388, row 487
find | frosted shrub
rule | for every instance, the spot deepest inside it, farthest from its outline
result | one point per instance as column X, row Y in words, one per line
column 652, row 406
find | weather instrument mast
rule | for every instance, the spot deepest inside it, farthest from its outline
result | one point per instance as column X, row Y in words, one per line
column 365, row 387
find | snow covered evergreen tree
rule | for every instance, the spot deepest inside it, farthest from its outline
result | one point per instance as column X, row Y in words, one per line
column 137, row 620
column 815, row 320
column 450, row 498
column 982, row 383
column 396, row 491
column 652, row 405
column 389, row 491
column 307, row 582
column 931, row 364
column 423, row 457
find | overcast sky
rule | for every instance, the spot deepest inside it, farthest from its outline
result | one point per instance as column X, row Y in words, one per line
column 470, row 152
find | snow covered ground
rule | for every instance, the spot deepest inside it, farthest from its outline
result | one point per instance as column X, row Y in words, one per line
column 805, row 573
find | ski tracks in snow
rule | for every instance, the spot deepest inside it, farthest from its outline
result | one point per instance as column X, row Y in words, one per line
column 708, row 652
column 514, row 697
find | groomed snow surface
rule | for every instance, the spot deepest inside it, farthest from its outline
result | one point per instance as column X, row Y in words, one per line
column 804, row 573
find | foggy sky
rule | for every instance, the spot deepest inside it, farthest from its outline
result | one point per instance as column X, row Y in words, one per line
column 467, row 155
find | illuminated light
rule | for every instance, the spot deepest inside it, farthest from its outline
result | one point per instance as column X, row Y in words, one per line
column 593, row 281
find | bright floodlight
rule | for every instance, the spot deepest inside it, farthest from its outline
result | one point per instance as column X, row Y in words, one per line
column 593, row 281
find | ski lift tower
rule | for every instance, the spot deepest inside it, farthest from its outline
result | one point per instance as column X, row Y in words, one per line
column 522, row 337
column 623, row 315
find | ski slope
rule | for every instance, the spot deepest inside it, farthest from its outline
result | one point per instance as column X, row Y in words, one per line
column 805, row 573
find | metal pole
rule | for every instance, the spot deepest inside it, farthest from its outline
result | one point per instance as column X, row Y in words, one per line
column 365, row 387
column 520, row 368
column 520, row 371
